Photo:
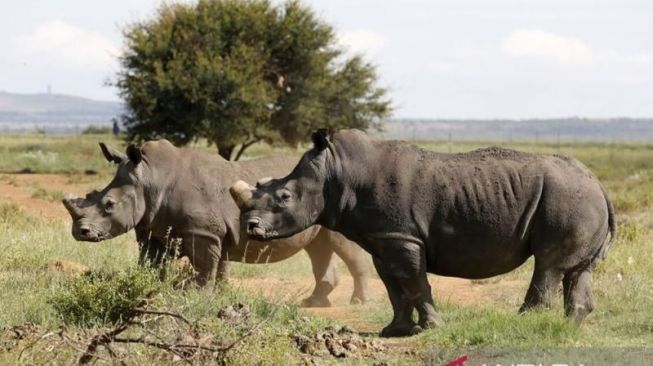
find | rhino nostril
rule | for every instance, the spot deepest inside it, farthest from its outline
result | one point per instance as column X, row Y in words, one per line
column 252, row 224
column 84, row 230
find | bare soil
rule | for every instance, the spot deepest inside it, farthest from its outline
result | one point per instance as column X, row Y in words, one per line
column 445, row 289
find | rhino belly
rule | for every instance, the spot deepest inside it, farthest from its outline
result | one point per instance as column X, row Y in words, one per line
column 477, row 259
column 479, row 248
column 252, row 251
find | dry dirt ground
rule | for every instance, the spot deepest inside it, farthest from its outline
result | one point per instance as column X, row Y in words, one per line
column 18, row 188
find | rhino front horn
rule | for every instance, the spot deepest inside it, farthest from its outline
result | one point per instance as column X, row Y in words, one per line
column 72, row 208
column 241, row 192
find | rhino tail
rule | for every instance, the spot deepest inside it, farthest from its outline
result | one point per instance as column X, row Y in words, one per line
column 612, row 228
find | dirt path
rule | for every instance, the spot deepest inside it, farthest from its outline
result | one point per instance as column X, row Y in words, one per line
column 19, row 188
column 445, row 290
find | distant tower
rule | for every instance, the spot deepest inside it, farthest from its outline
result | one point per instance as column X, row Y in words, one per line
column 49, row 89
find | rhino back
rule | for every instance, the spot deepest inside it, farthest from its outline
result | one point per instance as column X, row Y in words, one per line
column 193, row 189
column 472, row 206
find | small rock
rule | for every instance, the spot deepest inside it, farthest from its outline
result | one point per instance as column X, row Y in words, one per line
column 349, row 346
column 304, row 343
column 68, row 267
column 346, row 329
column 235, row 312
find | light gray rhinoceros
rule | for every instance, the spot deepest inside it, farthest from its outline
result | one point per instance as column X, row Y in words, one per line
column 470, row 215
column 164, row 192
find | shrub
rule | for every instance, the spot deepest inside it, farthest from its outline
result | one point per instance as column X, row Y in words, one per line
column 102, row 297
column 96, row 130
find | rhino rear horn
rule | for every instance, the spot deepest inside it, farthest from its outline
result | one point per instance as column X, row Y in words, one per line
column 135, row 154
column 112, row 155
column 320, row 139
column 241, row 192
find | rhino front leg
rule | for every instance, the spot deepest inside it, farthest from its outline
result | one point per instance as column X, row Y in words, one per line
column 402, row 323
column 324, row 271
column 223, row 270
column 402, row 267
column 357, row 263
column 204, row 256
column 152, row 252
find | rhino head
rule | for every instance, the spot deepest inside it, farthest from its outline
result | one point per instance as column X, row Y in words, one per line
column 279, row 208
column 118, row 207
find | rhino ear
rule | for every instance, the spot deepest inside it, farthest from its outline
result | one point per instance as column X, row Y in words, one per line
column 112, row 155
column 134, row 154
column 320, row 139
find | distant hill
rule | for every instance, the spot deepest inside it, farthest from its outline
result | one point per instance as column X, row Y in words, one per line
column 53, row 112
column 57, row 113
column 554, row 129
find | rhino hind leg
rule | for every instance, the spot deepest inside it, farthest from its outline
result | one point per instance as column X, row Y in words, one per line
column 324, row 271
column 577, row 287
column 543, row 287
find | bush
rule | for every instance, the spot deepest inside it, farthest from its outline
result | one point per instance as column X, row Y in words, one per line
column 96, row 130
column 101, row 298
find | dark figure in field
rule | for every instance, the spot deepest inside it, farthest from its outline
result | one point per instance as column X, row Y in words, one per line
column 164, row 192
column 471, row 215
column 116, row 129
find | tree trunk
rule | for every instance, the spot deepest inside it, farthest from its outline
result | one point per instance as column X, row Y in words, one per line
column 226, row 151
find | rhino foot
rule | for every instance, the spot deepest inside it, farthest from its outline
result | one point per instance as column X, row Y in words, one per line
column 357, row 300
column 316, row 302
column 401, row 330
column 431, row 322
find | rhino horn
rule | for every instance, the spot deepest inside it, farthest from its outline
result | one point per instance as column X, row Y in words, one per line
column 262, row 181
column 73, row 209
column 241, row 192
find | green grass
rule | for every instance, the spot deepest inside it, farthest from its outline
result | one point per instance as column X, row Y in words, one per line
column 490, row 330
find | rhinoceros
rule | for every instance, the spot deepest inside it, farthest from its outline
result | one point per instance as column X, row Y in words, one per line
column 165, row 192
column 471, row 215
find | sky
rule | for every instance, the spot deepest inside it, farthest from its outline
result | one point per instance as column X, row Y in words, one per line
column 439, row 58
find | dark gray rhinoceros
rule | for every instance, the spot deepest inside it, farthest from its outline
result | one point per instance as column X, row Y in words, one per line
column 470, row 215
column 165, row 192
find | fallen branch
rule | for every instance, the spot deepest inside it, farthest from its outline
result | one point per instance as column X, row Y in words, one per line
column 174, row 315
column 165, row 346
column 249, row 333
column 101, row 340
column 46, row 335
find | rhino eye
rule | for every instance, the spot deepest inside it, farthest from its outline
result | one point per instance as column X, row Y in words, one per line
column 284, row 196
column 109, row 205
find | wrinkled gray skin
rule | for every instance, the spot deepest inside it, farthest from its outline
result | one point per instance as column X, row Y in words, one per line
column 470, row 215
column 159, row 187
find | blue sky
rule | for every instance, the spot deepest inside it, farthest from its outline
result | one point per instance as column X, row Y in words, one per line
column 440, row 59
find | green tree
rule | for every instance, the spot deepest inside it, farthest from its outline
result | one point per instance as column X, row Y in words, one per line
column 236, row 72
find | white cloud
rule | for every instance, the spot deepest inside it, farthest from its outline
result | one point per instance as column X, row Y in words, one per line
column 361, row 41
column 63, row 44
column 549, row 47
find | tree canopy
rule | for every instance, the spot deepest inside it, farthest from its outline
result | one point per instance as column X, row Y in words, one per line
column 236, row 72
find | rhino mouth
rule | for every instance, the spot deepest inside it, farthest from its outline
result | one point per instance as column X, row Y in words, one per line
column 256, row 229
column 89, row 234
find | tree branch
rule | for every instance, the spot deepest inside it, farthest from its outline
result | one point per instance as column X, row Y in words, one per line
column 244, row 146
